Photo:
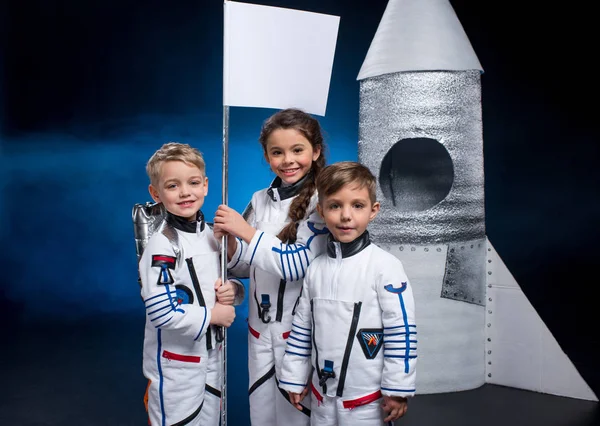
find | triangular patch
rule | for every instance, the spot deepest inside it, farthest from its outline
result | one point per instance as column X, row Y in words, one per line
column 164, row 263
column 370, row 340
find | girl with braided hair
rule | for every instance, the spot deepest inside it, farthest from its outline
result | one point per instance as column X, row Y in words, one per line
column 273, row 243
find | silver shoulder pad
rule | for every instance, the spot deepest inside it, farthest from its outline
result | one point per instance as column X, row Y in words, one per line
column 247, row 211
column 148, row 219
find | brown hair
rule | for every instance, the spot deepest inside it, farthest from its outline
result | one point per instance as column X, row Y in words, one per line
column 334, row 177
column 174, row 151
column 309, row 127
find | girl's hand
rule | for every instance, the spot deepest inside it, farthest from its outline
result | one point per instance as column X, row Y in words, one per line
column 227, row 220
column 219, row 233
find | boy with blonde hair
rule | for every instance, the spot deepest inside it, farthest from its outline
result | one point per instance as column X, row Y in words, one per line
column 184, row 296
column 355, row 325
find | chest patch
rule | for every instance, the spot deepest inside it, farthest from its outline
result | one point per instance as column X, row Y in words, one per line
column 370, row 340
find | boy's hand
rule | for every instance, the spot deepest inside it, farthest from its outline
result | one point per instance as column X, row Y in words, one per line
column 225, row 292
column 222, row 315
column 396, row 406
column 296, row 398
column 229, row 221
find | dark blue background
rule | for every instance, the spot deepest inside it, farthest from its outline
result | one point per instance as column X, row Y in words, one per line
column 91, row 89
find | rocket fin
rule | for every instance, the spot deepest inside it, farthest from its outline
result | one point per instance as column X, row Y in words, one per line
column 520, row 350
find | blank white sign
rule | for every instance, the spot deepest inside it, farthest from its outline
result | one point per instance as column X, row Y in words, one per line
column 277, row 58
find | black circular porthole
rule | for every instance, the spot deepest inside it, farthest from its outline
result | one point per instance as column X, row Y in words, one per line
column 416, row 174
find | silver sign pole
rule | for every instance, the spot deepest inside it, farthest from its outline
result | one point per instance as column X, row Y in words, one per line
column 224, row 262
column 225, row 170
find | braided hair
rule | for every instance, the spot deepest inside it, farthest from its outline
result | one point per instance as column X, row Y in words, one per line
column 310, row 128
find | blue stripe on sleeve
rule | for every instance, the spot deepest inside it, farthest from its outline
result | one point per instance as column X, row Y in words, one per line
column 301, row 328
column 256, row 246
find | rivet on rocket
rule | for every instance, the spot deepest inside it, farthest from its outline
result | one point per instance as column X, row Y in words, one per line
column 420, row 133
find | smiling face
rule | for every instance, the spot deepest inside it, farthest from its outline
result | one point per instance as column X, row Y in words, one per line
column 348, row 211
column 290, row 154
column 181, row 187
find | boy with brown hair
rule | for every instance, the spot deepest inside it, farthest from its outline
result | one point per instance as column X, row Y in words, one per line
column 354, row 326
column 183, row 295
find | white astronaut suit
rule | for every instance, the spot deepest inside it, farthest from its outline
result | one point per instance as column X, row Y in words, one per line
column 276, row 271
column 182, row 357
column 355, row 325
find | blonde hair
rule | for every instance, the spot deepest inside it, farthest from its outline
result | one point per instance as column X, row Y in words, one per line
column 334, row 177
column 174, row 151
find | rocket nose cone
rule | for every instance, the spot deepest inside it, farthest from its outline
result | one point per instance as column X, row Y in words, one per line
column 419, row 35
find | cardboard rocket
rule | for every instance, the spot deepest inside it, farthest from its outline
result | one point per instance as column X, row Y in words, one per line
column 420, row 133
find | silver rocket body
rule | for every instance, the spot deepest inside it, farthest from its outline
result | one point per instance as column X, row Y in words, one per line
column 420, row 133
